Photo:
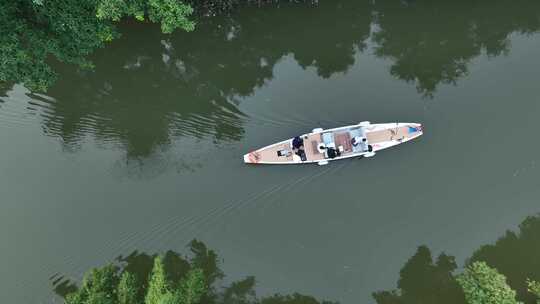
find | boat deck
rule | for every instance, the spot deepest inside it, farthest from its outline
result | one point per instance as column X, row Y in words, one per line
column 398, row 134
column 270, row 154
column 379, row 136
column 311, row 142
column 343, row 139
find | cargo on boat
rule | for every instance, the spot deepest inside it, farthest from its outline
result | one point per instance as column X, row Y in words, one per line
column 321, row 146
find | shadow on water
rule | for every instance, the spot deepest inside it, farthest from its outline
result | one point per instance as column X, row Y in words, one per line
column 141, row 95
column 424, row 280
column 326, row 38
column 4, row 88
column 432, row 42
column 149, row 89
column 177, row 266
column 515, row 255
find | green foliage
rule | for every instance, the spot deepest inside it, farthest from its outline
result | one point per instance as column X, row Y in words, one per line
column 171, row 298
column 33, row 32
column 158, row 286
column 189, row 285
column 190, row 291
column 100, row 298
column 101, row 280
column 116, row 9
column 534, row 288
column 98, row 287
column 484, row 285
column 127, row 289
column 295, row 298
column 172, row 14
column 192, row 287
column 75, row 298
column 515, row 254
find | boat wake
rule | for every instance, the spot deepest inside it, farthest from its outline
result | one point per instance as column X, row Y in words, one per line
column 175, row 230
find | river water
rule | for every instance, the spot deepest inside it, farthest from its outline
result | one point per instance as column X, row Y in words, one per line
column 145, row 152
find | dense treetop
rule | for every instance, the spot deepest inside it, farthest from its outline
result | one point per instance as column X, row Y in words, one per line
column 506, row 272
column 170, row 278
column 34, row 31
column 425, row 49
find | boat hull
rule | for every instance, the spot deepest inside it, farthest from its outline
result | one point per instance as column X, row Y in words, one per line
column 379, row 137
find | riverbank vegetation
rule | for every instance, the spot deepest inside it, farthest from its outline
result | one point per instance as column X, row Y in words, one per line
column 37, row 34
column 493, row 275
column 34, row 33
column 170, row 278
column 507, row 272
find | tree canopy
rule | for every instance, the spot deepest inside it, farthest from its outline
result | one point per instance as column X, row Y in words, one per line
column 169, row 278
column 33, row 32
column 505, row 272
column 485, row 285
column 158, row 287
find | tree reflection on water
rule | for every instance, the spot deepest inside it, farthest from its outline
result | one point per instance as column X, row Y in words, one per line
column 149, row 89
column 432, row 42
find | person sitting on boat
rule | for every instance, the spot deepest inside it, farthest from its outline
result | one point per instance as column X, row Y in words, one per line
column 357, row 140
column 332, row 152
column 302, row 154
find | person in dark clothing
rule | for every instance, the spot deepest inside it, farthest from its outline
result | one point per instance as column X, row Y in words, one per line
column 302, row 154
column 298, row 147
column 297, row 142
column 331, row 152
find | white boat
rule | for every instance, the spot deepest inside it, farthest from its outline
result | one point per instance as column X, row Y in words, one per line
column 322, row 146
